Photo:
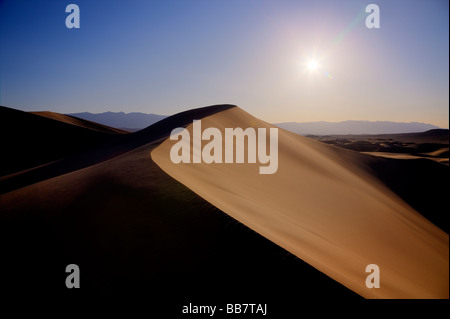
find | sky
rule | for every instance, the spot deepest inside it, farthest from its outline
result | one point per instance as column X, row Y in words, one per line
column 168, row 56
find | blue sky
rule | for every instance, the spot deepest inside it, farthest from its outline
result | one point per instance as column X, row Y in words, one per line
column 168, row 56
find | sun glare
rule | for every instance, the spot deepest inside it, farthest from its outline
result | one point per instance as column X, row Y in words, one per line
column 312, row 65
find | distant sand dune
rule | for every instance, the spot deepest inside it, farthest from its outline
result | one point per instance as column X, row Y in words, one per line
column 409, row 156
column 327, row 210
column 80, row 122
column 30, row 140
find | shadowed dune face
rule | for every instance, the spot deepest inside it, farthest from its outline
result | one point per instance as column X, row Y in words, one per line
column 326, row 209
column 431, row 144
column 80, row 122
column 30, row 140
column 26, row 149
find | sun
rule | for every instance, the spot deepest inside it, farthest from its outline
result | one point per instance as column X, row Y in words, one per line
column 312, row 65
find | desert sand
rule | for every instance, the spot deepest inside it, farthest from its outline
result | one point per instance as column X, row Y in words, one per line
column 30, row 140
column 135, row 231
column 326, row 209
column 409, row 156
column 79, row 122
column 132, row 228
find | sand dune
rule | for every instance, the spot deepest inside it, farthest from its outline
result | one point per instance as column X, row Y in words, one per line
column 43, row 154
column 30, row 140
column 430, row 156
column 431, row 144
column 80, row 122
column 326, row 209
column 134, row 229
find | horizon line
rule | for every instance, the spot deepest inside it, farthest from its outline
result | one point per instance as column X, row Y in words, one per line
column 275, row 123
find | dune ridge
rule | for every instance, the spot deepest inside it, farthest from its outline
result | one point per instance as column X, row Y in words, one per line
column 48, row 148
column 325, row 209
column 134, row 230
column 30, row 140
column 69, row 119
column 115, row 207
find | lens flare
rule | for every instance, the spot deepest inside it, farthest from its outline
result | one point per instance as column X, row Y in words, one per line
column 328, row 75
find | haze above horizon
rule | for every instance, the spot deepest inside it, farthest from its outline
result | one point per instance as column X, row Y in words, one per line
column 164, row 57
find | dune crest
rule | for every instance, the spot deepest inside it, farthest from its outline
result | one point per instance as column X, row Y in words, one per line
column 79, row 122
column 325, row 210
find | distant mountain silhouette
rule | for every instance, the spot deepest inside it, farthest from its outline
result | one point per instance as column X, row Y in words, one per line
column 355, row 127
column 129, row 121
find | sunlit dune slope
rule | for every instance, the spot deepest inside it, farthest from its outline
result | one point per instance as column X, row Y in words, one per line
column 325, row 208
